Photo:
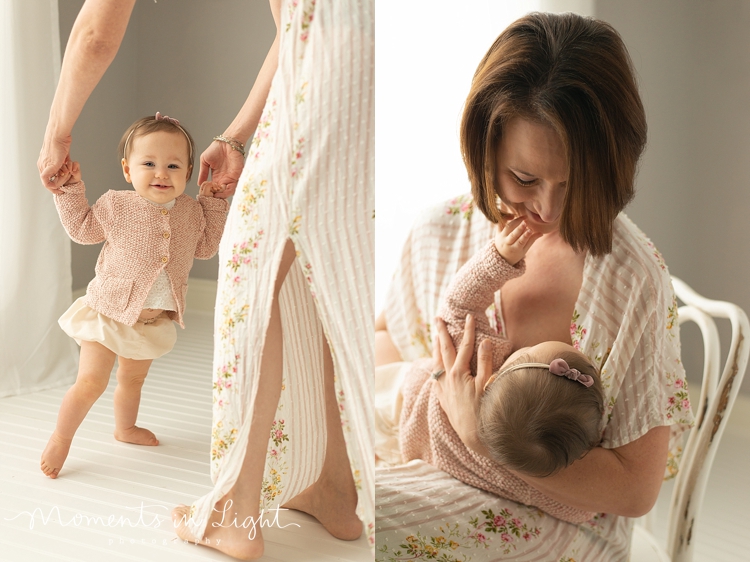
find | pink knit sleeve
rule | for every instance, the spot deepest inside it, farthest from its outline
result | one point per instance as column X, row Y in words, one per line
column 472, row 290
column 215, row 216
column 84, row 224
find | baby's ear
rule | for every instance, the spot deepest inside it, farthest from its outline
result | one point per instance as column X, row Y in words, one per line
column 189, row 171
column 125, row 170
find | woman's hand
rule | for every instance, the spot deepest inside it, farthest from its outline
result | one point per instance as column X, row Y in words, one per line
column 457, row 390
column 225, row 165
column 54, row 155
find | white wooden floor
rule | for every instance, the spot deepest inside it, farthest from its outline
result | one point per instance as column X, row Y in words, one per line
column 111, row 480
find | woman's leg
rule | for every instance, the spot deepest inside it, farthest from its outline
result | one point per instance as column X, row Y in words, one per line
column 332, row 499
column 95, row 366
column 131, row 373
column 243, row 499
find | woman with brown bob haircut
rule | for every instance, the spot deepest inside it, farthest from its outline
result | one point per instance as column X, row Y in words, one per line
column 581, row 84
column 552, row 132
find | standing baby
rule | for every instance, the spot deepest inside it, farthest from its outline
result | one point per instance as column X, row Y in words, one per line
column 151, row 236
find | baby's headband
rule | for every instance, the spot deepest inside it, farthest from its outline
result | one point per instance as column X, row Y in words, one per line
column 160, row 117
column 558, row 367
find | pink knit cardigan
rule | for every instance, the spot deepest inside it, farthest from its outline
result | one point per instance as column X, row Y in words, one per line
column 141, row 238
column 425, row 431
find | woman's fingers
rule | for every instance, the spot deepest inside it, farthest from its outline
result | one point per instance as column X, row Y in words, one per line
column 484, row 365
column 447, row 351
column 466, row 349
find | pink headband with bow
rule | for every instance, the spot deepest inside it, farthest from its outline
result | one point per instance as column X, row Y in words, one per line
column 557, row 367
column 160, row 117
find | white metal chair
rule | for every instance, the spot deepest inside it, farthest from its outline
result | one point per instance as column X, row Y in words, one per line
column 711, row 413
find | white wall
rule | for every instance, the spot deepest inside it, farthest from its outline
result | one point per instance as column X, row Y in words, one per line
column 194, row 60
column 693, row 60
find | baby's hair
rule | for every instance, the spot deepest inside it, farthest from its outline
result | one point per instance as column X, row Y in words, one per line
column 538, row 423
column 149, row 124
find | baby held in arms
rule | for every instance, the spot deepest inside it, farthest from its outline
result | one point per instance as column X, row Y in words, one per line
column 541, row 409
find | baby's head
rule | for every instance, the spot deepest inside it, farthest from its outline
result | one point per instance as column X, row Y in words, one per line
column 157, row 157
column 537, row 422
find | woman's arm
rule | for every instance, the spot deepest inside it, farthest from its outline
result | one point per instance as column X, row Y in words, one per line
column 622, row 481
column 220, row 158
column 93, row 44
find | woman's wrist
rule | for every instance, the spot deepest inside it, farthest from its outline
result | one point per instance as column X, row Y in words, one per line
column 237, row 133
column 232, row 142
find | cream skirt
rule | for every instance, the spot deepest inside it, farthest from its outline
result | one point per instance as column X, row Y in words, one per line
column 142, row 341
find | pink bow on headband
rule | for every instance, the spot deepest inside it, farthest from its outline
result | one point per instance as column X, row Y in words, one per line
column 560, row 368
column 160, row 117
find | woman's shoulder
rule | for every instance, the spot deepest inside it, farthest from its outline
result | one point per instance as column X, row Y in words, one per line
column 636, row 260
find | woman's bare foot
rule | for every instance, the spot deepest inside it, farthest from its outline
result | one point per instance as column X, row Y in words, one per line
column 221, row 534
column 334, row 508
column 136, row 435
column 54, row 455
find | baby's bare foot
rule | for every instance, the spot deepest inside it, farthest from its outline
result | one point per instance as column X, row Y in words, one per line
column 54, row 455
column 333, row 506
column 229, row 539
column 136, row 435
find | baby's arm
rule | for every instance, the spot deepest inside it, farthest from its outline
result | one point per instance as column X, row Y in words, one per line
column 84, row 224
column 215, row 215
column 473, row 288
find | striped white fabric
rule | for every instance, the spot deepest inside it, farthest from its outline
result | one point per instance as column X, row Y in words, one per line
column 624, row 320
column 309, row 177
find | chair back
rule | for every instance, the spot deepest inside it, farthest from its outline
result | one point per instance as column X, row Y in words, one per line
column 718, row 393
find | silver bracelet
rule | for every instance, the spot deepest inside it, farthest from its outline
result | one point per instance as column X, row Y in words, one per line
column 234, row 143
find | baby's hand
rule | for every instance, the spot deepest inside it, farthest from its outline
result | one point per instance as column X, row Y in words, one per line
column 208, row 188
column 71, row 171
column 514, row 240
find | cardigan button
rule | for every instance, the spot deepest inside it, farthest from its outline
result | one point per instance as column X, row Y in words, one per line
column 166, row 235
column 164, row 259
column 164, row 212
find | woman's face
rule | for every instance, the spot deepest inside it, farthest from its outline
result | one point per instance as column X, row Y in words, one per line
column 532, row 174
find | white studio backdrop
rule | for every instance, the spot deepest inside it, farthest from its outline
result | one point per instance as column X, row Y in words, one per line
column 35, row 279
column 426, row 55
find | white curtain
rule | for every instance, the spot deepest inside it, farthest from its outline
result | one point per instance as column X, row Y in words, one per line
column 35, row 278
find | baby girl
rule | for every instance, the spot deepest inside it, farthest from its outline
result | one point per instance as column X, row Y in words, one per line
column 151, row 236
column 541, row 409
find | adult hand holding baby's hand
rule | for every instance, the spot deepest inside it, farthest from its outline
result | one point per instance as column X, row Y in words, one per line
column 70, row 173
column 210, row 189
column 225, row 165
column 514, row 240
column 55, row 153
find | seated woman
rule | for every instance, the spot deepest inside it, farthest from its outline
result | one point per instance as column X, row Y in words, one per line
column 553, row 127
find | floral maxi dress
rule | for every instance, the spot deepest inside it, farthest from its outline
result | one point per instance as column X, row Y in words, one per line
column 309, row 177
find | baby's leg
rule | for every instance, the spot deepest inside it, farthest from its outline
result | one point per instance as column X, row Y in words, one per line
column 95, row 365
column 130, row 376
